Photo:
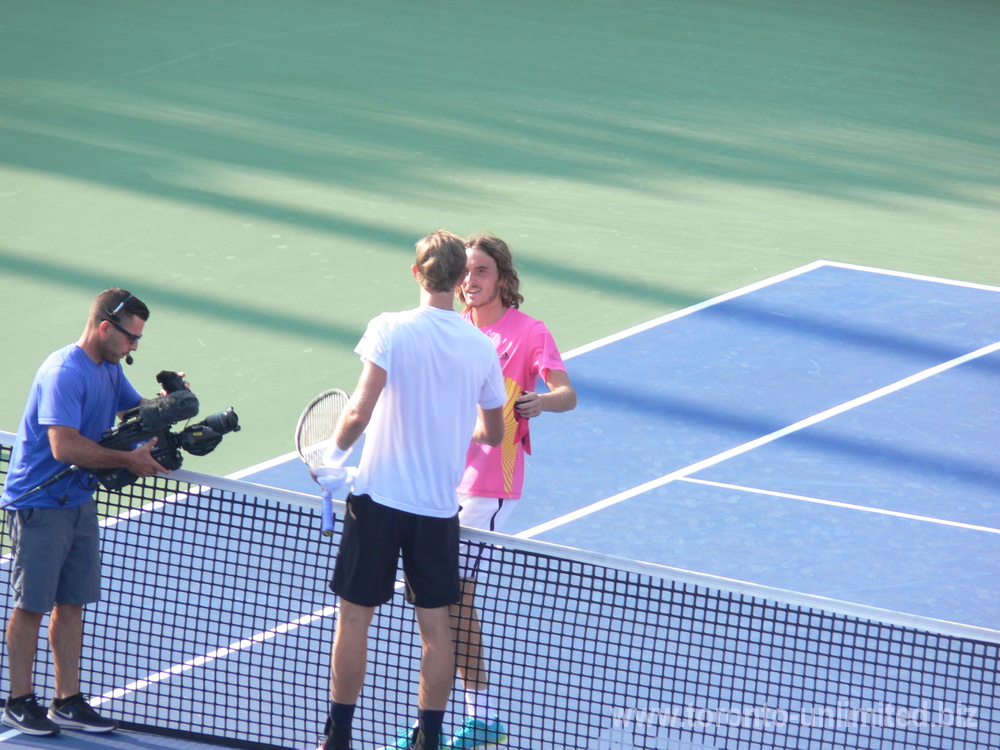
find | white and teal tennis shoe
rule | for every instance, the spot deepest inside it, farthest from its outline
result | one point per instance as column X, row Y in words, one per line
column 478, row 735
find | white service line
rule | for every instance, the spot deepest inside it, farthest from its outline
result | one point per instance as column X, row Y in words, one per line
column 770, row 281
column 837, row 504
column 219, row 653
column 763, row 440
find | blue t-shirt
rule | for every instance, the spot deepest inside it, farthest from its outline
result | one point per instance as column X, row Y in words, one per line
column 71, row 390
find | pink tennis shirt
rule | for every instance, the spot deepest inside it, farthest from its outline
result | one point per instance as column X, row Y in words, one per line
column 526, row 350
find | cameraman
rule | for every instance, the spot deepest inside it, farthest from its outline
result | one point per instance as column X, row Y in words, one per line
column 56, row 562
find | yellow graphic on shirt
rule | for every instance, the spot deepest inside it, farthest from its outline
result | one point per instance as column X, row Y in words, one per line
column 508, row 447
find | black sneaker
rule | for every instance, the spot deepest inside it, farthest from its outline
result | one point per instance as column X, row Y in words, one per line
column 75, row 713
column 25, row 715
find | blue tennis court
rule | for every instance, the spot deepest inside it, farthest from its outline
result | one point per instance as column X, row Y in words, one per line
column 830, row 431
column 827, row 432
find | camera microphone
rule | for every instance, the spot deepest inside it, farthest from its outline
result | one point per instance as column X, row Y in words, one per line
column 153, row 416
column 164, row 411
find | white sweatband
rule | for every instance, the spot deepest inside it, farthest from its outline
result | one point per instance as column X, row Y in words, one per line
column 335, row 456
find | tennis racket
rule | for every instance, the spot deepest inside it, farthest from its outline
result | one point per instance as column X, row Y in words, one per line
column 314, row 436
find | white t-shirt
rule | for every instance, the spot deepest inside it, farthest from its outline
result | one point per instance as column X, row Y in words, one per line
column 438, row 368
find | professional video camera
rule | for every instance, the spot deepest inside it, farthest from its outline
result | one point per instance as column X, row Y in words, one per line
column 154, row 419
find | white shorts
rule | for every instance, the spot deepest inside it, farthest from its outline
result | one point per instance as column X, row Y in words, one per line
column 488, row 513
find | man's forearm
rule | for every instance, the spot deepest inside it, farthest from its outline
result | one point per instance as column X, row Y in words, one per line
column 489, row 427
column 350, row 428
column 561, row 395
column 70, row 447
column 561, row 399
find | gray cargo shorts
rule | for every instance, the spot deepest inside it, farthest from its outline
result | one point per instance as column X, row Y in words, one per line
column 56, row 556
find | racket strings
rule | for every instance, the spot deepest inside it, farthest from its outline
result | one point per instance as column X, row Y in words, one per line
column 317, row 425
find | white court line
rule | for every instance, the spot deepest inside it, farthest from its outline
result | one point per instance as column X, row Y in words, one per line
column 762, row 285
column 127, row 515
column 837, row 504
column 219, row 653
column 912, row 276
column 693, row 309
column 763, row 440
column 201, row 661
column 277, row 461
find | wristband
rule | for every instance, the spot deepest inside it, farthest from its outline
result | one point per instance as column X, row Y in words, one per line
column 336, row 457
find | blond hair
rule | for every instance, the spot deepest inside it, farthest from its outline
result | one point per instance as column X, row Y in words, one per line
column 440, row 261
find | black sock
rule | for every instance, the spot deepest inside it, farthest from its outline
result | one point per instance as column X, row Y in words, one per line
column 338, row 725
column 341, row 714
column 430, row 723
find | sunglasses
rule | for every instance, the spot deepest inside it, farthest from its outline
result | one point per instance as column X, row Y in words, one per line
column 131, row 336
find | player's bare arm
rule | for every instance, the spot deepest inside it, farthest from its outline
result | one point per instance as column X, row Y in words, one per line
column 359, row 410
column 489, row 426
column 561, row 396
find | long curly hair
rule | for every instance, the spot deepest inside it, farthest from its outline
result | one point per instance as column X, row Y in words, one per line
column 497, row 249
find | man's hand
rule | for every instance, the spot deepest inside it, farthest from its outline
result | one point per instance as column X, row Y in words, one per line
column 528, row 405
column 141, row 462
column 561, row 397
column 334, row 479
column 187, row 384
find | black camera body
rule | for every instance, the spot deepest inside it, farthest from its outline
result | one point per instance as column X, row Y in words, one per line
column 154, row 419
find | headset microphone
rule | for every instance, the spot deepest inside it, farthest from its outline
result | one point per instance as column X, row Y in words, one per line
column 113, row 315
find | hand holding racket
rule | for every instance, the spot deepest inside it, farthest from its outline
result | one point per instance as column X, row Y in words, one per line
column 316, row 447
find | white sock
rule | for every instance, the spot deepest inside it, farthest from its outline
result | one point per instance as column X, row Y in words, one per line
column 480, row 706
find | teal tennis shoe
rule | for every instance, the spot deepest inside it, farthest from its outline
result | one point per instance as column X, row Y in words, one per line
column 477, row 735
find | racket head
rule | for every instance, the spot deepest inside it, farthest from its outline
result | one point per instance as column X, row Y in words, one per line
column 317, row 425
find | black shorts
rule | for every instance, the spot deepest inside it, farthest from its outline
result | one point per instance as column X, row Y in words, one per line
column 375, row 535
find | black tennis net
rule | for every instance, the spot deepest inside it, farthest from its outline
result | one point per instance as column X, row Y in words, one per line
column 216, row 624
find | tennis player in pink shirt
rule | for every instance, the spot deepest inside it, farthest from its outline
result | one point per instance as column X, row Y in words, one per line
column 494, row 476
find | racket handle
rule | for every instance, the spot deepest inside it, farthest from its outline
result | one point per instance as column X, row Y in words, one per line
column 326, row 511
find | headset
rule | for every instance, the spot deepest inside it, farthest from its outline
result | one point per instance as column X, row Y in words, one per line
column 113, row 316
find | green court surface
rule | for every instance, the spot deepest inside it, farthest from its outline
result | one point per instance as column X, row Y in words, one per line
column 258, row 172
